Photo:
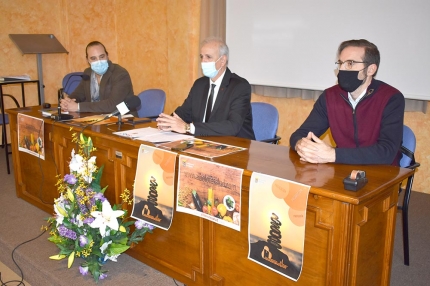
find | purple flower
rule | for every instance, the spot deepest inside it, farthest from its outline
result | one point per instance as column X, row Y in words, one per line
column 102, row 276
column 83, row 209
column 139, row 224
column 88, row 220
column 65, row 232
column 83, row 270
column 70, row 179
column 83, row 240
column 100, row 197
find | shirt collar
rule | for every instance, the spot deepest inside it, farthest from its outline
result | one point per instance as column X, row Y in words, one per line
column 355, row 102
column 219, row 80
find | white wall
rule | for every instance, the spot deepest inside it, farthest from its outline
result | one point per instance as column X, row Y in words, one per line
column 293, row 43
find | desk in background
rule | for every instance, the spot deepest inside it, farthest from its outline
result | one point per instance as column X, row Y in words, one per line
column 22, row 82
column 349, row 235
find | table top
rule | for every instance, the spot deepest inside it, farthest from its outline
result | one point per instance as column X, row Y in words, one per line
column 275, row 160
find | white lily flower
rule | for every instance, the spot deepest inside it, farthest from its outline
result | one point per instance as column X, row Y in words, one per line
column 92, row 164
column 58, row 214
column 106, row 257
column 107, row 217
column 60, row 209
column 105, row 246
column 79, row 220
column 76, row 163
column 88, row 168
column 112, row 258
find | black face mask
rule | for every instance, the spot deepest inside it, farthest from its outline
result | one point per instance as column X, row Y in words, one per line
column 348, row 80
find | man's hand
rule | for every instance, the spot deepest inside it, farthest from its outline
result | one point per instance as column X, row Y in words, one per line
column 68, row 104
column 313, row 150
column 171, row 123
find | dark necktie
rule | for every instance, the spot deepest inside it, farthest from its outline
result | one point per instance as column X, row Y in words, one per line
column 209, row 104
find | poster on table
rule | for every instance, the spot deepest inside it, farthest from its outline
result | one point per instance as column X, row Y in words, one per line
column 154, row 186
column 209, row 190
column 277, row 217
column 31, row 135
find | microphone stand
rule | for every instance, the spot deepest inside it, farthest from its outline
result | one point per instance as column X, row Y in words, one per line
column 61, row 116
column 119, row 123
column 60, row 96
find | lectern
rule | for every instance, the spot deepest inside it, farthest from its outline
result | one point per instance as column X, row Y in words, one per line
column 38, row 44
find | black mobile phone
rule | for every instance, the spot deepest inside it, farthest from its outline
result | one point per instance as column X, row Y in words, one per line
column 183, row 146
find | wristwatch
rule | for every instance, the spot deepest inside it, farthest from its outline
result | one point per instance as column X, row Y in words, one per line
column 187, row 128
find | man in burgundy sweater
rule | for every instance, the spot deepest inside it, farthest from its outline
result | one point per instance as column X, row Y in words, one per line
column 365, row 115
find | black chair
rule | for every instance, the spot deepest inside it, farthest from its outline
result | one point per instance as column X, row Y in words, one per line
column 4, row 123
column 407, row 161
column 265, row 119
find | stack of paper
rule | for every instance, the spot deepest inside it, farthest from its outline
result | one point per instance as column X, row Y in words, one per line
column 153, row 135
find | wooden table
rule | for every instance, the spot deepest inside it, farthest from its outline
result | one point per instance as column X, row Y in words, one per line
column 349, row 235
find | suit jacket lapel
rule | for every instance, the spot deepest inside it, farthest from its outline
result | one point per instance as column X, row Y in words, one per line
column 222, row 90
column 103, row 82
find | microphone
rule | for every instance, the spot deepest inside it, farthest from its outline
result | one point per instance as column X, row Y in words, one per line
column 124, row 107
column 61, row 116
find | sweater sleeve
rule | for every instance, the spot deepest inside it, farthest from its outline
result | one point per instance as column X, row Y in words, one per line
column 317, row 122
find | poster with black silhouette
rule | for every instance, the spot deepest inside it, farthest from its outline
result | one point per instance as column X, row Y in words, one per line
column 154, row 186
column 209, row 190
column 31, row 135
column 277, row 216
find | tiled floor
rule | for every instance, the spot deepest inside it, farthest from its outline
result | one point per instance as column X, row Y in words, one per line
column 8, row 276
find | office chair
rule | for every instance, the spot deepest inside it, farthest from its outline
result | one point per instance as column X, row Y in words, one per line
column 152, row 103
column 71, row 81
column 4, row 134
column 407, row 161
column 265, row 122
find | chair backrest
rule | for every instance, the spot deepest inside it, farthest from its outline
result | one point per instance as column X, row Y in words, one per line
column 71, row 81
column 264, row 120
column 6, row 116
column 152, row 103
column 409, row 141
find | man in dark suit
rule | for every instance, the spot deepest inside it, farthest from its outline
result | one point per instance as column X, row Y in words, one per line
column 105, row 86
column 218, row 103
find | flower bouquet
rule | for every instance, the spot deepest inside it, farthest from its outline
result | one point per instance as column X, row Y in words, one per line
column 85, row 224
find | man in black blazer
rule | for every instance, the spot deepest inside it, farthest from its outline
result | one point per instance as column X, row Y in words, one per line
column 230, row 100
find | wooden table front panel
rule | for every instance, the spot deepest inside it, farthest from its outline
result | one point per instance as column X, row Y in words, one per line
column 349, row 235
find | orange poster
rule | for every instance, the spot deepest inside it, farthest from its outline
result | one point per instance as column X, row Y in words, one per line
column 31, row 135
column 209, row 190
column 277, row 216
column 154, row 186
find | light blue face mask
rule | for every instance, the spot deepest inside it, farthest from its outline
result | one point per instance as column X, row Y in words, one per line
column 209, row 69
column 100, row 67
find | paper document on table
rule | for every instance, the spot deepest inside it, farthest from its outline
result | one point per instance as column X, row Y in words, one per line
column 153, row 135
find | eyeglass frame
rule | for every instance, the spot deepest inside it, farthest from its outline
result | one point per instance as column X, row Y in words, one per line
column 339, row 64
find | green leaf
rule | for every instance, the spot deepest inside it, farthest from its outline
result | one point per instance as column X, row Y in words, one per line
column 116, row 248
column 103, row 190
column 128, row 223
column 98, row 175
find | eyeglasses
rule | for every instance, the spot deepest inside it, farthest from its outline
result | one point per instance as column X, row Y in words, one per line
column 348, row 64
